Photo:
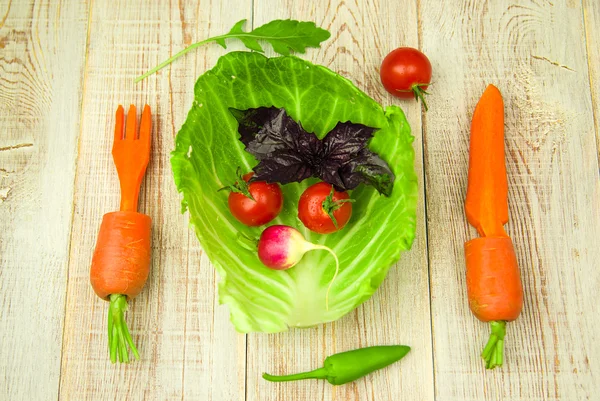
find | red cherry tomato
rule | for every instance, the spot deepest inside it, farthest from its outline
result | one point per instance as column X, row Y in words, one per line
column 316, row 205
column 406, row 73
column 267, row 203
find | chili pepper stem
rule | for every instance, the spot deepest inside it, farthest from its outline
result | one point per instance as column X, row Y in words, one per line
column 320, row 373
column 118, row 333
column 493, row 353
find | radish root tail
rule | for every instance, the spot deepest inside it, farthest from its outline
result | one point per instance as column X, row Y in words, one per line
column 337, row 270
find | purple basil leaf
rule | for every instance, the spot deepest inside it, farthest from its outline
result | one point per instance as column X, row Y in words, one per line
column 333, row 174
column 283, row 167
column 251, row 121
column 287, row 153
column 345, row 140
column 368, row 168
column 279, row 133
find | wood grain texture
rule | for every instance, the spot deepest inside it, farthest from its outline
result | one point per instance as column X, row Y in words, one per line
column 591, row 14
column 40, row 97
column 65, row 66
column 188, row 348
column 363, row 32
column 534, row 52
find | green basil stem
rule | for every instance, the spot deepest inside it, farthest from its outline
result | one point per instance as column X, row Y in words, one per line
column 350, row 365
column 198, row 44
column 493, row 353
column 118, row 333
column 179, row 54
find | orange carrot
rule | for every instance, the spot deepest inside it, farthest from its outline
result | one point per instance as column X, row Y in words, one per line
column 486, row 205
column 493, row 279
column 494, row 284
column 121, row 260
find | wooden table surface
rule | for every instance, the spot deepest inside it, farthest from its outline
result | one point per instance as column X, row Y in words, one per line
column 66, row 65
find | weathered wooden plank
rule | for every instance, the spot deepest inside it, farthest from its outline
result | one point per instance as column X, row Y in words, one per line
column 362, row 34
column 591, row 14
column 188, row 348
column 535, row 53
column 41, row 72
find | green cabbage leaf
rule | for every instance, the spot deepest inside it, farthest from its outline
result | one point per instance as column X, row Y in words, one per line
column 208, row 152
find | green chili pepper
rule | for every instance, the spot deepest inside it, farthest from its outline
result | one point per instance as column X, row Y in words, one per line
column 348, row 366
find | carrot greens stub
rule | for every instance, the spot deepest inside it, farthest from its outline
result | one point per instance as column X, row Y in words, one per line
column 118, row 333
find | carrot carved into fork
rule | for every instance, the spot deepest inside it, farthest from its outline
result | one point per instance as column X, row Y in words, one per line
column 121, row 260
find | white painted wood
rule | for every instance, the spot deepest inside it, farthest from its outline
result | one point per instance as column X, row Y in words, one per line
column 188, row 348
column 534, row 52
column 362, row 33
column 41, row 72
column 591, row 13
column 542, row 55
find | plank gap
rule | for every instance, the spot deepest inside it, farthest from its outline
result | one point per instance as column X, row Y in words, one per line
column 589, row 34
column 75, row 180
column 426, row 220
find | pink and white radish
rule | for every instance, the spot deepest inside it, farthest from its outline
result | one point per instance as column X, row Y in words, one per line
column 281, row 247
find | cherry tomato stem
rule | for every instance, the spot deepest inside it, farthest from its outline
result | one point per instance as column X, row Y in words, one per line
column 330, row 205
column 324, row 210
column 254, row 203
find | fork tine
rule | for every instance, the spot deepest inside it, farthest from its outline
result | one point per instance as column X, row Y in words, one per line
column 146, row 126
column 119, row 124
column 131, row 127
